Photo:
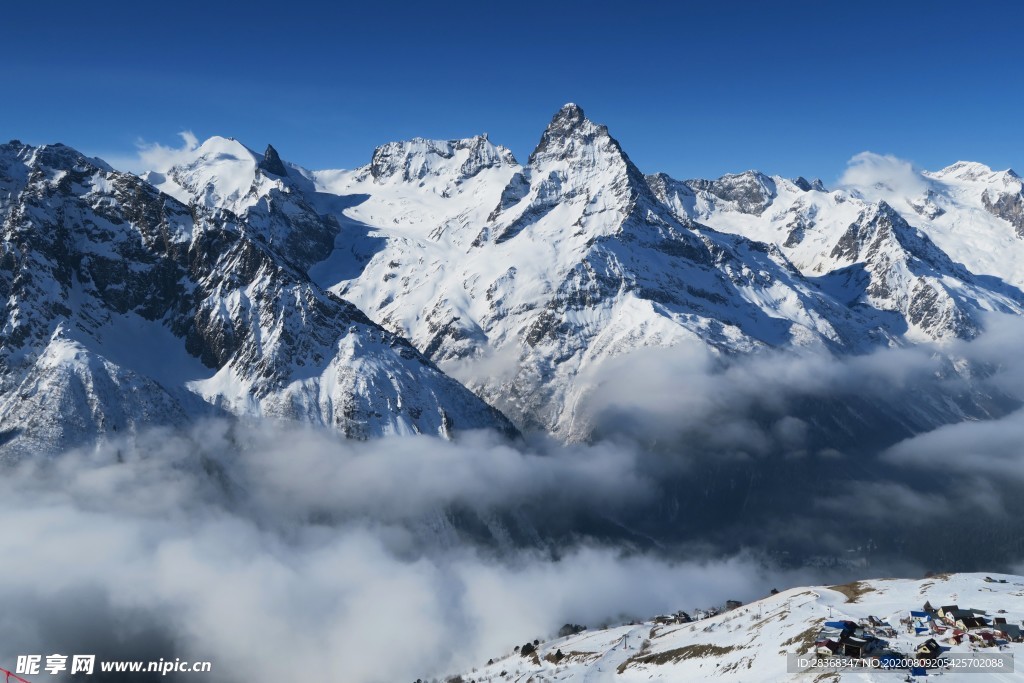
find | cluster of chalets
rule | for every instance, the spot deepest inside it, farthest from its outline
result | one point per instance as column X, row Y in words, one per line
column 850, row 639
column 942, row 628
column 957, row 625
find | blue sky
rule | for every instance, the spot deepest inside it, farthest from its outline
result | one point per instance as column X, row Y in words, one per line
column 693, row 89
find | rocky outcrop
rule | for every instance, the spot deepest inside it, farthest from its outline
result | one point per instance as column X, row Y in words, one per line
column 271, row 162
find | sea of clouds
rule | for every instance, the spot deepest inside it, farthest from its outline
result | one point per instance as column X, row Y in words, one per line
column 278, row 552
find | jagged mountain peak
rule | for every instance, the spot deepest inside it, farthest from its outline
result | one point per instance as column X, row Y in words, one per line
column 881, row 230
column 578, row 166
column 815, row 185
column 578, row 241
column 569, row 116
column 223, row 173
column 55, row 156
column 883, row 208
column 272, row 163
column 901, row 270
column 455, row 160
column 571, row 134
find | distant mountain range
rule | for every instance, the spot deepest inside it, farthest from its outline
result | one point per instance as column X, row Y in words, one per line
column 236, row 283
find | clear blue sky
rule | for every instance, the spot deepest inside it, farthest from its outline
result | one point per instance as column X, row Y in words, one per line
column 690, row 88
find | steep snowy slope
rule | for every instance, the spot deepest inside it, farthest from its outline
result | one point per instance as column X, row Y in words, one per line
column 275, row 201
column 751, row 643
column 124, row 307
column 938, row 249
column 524, row 279
column 979, row 216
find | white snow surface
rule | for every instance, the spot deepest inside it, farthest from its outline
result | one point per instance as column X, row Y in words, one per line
column 126, row 308
column 525, row 280
column 749, row 644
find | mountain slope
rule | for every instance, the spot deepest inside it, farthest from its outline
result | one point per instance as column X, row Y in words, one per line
column 95, row 261
column 527, row 291
column 866, row 252
column 522, row 280
column 528, row 282
column 751, row 642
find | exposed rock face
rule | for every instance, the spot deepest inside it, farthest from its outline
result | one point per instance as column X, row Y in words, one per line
column 272, row 163
column 97, row 264
column 273, row 204
column 906, row 273
column 1008, row 206
column 579, row 242
column 749, row 192
column 867, row 253
column 576, row 262
column 416, row 159
column 928, row 205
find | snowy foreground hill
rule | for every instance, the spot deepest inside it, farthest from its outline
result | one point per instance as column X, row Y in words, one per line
column 749, row 643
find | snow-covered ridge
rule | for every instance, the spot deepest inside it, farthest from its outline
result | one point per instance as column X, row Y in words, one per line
column 416, row 159
column 125, row 308
column 974, row 214
column 573, row 261
column 750, row 643
column 526, row 281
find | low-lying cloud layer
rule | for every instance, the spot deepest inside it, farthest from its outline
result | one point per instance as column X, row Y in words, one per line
column 282, row 553
column 279, row 552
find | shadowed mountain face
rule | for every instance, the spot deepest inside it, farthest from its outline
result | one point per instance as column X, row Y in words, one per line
column 125, row 308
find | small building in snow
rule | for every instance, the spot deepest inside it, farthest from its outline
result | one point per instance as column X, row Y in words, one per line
column 971, row 623
column 1012, row 632
column 929, row 649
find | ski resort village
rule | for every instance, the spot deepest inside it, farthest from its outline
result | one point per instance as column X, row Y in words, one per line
column 953, row 626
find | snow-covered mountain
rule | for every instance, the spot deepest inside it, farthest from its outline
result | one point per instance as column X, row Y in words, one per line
column 246, row 275
column 570, row 262
column 936, row 257
column 751, row 642
column 125, row 308
column 525, row 281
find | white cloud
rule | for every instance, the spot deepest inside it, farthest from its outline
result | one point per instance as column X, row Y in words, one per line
column 172, row 548
column 280, row 552
column 152, row 156
column 879, row 176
